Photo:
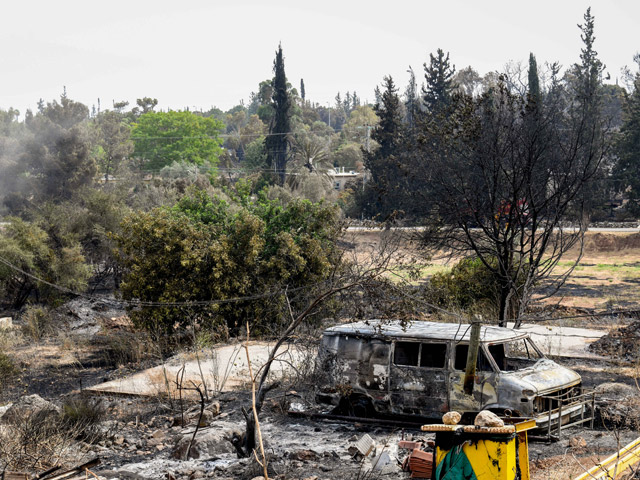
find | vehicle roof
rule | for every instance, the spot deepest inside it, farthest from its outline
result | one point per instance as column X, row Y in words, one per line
column 418, row 329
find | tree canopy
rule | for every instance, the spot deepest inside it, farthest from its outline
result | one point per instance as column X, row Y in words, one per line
column 209, row 250
column 628, row 147
column 507, row 171
column 161, row 138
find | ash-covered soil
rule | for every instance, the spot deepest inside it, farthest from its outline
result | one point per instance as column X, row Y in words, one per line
column 622, row 343
column 149, row 438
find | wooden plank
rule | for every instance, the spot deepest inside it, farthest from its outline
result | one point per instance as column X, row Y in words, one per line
column 15, row 476
column 618, row 462
column 75, row 470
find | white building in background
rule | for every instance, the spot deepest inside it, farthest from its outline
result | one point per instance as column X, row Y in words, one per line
column 340, row 177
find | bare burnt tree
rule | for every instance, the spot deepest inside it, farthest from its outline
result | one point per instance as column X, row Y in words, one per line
column 508, row 174
column 360, row 282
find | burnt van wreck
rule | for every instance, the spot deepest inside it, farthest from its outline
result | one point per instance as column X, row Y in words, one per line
column 381, row 368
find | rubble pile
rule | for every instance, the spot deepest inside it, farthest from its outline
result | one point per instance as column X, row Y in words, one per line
column 621, row 343
column 618, row 405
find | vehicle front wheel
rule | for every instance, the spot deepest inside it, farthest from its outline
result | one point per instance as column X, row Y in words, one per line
column 354, row 406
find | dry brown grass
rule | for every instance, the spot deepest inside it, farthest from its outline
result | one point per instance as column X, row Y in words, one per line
column 607, row 276
column 562, row 467
column 41, row 440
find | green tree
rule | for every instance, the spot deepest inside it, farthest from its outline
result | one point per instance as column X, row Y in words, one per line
column 535, row 97
column 55, row 161
column 356, row 128
column 467, row 81
column 439, row 85
column 113, row 142
column 586, row 88
column 87, row 221
column 349, row 156
column 26, row 252
column 206, row 249
column 161, row 138
column 627, row 168
column 278, row 142
column 66, row 114
column 255, row 156
column 411, row 101
column 146, row 104
column 382, row 162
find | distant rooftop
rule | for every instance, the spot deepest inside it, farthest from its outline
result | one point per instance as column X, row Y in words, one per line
column 420, row 330
column 341, row 172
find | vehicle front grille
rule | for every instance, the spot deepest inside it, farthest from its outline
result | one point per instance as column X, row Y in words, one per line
column 553, row 400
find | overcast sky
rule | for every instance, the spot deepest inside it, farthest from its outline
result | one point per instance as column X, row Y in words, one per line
column 199, row 54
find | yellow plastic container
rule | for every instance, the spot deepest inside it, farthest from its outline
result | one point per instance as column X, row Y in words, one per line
column 500, row 453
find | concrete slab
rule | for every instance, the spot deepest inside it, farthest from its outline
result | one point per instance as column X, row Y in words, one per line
column 223, row 368
column 559, row 341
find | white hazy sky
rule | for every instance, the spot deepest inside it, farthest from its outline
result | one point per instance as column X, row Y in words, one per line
column 200, row 54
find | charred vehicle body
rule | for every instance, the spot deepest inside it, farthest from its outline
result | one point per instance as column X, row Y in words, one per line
column 376, row 367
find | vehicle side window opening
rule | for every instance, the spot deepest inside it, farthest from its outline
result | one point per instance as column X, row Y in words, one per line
column 497, row 352
column 406, row 353
column 433, row 355
column 426, row 355
column 515, row 354
column 483, row 365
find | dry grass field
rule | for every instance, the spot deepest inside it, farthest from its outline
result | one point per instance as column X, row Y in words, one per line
column 608, row 274
column 606, row 277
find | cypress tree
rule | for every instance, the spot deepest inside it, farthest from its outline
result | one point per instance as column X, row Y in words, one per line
column 277, row 142
column 534, row 81
column 587, row 108
column 383, row 163
column 411, row 100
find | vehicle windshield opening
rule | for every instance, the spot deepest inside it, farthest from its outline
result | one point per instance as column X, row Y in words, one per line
column 515, row 354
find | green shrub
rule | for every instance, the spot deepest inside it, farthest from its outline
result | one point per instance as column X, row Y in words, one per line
column 206, row 249
column 468, row 286
column 38, row 254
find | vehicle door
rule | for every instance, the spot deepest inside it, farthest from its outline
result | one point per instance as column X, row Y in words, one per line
column 373, row 368
column 484, row 386
column 418, row 378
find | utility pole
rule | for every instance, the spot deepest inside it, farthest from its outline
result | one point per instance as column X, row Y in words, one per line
column 472, row 355
column 367, row 147
column 367, row 144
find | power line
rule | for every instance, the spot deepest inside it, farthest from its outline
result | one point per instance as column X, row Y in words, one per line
column 142, row 303
column 606, row 313
column 214, row 137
